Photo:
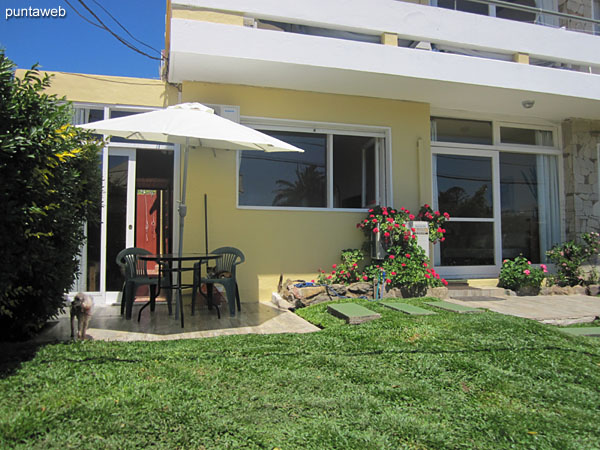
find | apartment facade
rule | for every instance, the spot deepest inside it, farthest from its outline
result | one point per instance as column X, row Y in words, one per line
column 489, row 113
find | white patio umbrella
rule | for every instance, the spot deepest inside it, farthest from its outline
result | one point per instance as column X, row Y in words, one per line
column 192, row 125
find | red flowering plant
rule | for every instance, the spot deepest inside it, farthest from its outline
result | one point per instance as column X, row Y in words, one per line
column 389, row 223
column 407, row 266
column 346, row 272
column 436, row 222
column 519, row 273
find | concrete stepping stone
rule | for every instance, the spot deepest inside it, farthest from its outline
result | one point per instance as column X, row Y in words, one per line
column 454, row 307
column 411, row 310
column 582, row 331
column 352, row 313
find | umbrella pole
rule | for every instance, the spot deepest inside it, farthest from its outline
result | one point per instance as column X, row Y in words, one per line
column 205, row 224
column 182, row 205
column 182, row 214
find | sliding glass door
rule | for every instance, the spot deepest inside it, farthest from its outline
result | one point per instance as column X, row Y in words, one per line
column 502, row 205
column 465, row 186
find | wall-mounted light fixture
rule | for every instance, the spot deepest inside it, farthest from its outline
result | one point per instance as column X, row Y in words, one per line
column 528, row 104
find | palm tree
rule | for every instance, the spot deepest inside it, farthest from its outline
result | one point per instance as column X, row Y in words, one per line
column 307, row 190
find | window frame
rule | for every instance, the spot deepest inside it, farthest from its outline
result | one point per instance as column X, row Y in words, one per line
column 383, row 165
column 440, row 147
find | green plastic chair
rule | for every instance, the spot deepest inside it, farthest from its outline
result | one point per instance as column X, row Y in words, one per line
column 230, row 258
column 136, row 274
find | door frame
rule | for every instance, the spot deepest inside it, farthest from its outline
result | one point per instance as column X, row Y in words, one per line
column 472, row 271
column 114, row 296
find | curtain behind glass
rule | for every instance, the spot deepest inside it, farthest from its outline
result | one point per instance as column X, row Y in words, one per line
column 81, row 116
column 548, row 198
column 547, row 19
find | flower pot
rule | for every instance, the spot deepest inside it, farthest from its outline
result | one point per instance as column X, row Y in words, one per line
column 528, row 290
column 415, row 290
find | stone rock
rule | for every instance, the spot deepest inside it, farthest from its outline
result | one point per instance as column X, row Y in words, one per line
column 439, row 292
column 307, row 292
column 554, row 290
column 321, row 298
column 579, row 290
column 339, row 289
column 393, row 293
column 360, row 289
column 593, row 289
column 280, row 302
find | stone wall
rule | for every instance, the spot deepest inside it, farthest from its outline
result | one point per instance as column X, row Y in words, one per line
column 580, row 157
column 581, row 8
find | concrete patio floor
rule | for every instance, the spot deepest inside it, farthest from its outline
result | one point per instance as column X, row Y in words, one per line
column 550, row 309
column 108, row 324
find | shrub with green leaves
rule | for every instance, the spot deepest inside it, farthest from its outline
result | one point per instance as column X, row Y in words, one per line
column 346, row 272
column 407, row 265
column 51, row 183
column 568, row 258
column 519, row 273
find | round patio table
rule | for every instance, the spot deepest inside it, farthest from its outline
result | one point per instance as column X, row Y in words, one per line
column 172, row 263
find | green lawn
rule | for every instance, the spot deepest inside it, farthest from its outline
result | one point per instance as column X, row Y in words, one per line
column 428, row 382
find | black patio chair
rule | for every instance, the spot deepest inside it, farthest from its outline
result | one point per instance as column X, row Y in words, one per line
column 136, row 274
column 230, row 258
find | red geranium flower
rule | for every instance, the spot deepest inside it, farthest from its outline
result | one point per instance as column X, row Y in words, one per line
column 392, row 256
column 411, row 217
column 407, row 255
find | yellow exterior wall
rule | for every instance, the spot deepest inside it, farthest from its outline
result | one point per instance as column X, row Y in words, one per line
column 293, row 243
column 110, row 90
column 208, row 16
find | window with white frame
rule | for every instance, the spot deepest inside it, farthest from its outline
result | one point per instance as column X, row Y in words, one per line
column 339, row 169
column 500, row 183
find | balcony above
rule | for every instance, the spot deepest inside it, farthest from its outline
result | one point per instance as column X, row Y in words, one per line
column 487, row 81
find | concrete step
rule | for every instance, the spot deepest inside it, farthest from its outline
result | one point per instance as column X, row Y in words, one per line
column 461, row 291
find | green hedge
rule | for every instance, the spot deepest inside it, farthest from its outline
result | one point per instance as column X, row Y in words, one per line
column 51, row 183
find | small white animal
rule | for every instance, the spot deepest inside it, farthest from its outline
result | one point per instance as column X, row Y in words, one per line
column 81, row 307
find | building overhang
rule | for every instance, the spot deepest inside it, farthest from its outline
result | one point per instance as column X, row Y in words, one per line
column 220, row 53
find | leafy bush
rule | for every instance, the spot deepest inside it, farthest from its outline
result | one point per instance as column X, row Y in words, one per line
column 519, row 273
column 50, row 187
column 346, row 272
column 405, row 265
column 569, row 257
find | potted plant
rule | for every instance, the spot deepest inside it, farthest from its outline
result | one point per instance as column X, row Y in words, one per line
column 520, row 276
column 384, row 226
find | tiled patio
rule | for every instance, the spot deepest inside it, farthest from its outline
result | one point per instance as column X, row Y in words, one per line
column 108, row 324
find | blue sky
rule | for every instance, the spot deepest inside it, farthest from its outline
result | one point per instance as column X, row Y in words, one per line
column 70, row 44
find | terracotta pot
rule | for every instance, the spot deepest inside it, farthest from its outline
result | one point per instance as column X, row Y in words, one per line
column 528, row 290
